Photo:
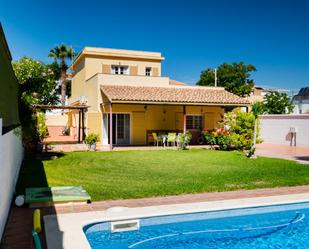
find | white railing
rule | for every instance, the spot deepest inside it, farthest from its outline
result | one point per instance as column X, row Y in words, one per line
column 113, row 79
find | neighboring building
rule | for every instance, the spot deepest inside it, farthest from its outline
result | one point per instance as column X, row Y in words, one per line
column 258, row 93
column 301, row 101
column 128, row 86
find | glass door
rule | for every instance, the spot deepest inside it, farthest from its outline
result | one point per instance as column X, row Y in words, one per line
column 122, row 128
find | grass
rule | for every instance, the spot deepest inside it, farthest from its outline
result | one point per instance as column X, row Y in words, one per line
column 135, row 174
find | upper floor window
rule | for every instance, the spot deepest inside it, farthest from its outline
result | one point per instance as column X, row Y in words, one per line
column 120, row 70
column 194, row 122
column 148, row 71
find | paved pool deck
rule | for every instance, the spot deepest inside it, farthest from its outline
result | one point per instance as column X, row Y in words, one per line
column 65, row 231
column 18, row 230
column 296, row 153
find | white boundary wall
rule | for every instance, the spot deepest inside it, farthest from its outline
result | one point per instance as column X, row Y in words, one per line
column 11, row 156
column 275, row 129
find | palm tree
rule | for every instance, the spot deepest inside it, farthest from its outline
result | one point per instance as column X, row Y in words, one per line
column 257, row 109
column 61, row 53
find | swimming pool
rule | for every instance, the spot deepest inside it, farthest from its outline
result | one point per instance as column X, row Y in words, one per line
column 280, row 226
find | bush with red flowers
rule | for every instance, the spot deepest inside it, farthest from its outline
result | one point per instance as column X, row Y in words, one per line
column 218, row 136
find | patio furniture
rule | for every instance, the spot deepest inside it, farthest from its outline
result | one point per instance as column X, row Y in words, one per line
column 157, row 139
column 171, row 138
column 177, row 140
column 163, row 136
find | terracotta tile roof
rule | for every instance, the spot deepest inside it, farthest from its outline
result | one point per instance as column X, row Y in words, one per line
column 171, row 94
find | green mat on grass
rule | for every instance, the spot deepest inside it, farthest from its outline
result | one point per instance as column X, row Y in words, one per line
column 56, row 194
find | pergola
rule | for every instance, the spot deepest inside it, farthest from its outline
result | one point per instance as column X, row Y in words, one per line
column 81, row 115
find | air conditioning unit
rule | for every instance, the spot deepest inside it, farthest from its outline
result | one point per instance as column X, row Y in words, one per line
column 83, row 100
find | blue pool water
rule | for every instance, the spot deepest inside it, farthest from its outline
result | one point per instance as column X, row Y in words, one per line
column 283, row 226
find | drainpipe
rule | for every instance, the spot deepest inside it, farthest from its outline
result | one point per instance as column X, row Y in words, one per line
column 110, row 127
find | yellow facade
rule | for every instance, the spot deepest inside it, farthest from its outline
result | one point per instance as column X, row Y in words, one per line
column 92, row 68
column 145, row 118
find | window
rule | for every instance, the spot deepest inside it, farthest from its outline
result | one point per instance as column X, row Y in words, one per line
column 148, row 71
column 120, row 70
column 194, row 122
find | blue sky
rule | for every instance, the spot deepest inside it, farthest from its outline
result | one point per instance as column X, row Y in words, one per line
column 192, row 35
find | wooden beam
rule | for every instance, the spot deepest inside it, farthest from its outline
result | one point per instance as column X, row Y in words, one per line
column 110, row 126
column 64, row 107
column 83, row 125
column 184, row 120
column 78, row 132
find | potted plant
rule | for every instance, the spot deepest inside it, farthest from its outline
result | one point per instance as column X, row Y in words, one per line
column 91, row 140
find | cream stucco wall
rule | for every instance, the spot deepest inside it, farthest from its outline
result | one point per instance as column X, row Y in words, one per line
column 90, row 73
column 78, row 81
column 128, row 80
column 95, row 64
column 88, row 69
column 94, row 123
column 56, row 120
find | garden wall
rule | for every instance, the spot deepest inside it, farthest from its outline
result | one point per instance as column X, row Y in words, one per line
column 275, row 129
column 11, row 156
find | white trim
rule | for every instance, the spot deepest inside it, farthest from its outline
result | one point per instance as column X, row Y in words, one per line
column 104, row 141
column 200, row 115
column 126, row 69
column 66, row 230
column 150, row 72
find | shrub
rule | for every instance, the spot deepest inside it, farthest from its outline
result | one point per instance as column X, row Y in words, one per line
column 41, row 126
column 209, row 137
column 218, row 136
column 92, row 138
column 224, row 141
column 241, row 128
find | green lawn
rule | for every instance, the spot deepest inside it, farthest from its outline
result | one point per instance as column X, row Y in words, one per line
column 135, row 174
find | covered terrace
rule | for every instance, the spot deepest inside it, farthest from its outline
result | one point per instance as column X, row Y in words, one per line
column 132, row 113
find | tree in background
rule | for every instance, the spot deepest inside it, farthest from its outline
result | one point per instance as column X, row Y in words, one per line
column 278, row 103
column 37, row 85
column 60, row 53
column 234, row 77
column 37, row 81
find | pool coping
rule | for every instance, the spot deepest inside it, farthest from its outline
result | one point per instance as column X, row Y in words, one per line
column 65, row 231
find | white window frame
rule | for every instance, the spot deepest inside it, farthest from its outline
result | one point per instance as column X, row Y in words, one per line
column 150, row 71
column 194, row 122
column 120, row 70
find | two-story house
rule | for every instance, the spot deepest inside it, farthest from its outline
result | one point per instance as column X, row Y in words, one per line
column 301, row 101
column 128, row 98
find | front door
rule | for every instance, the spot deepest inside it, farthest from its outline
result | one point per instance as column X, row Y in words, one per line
column 121, row 128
